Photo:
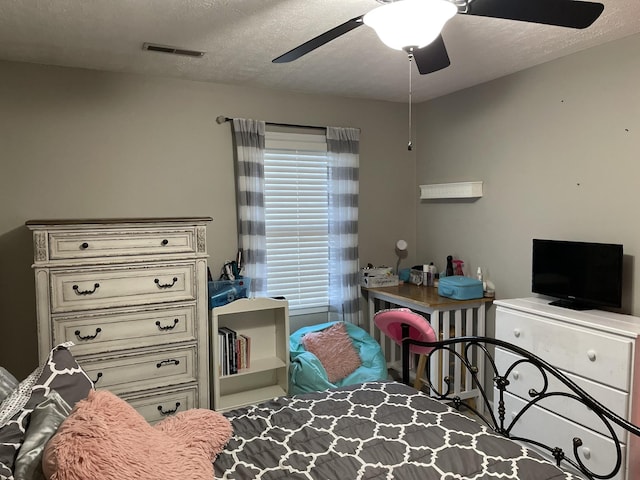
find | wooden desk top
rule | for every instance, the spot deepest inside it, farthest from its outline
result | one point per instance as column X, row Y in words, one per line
column 425, row 296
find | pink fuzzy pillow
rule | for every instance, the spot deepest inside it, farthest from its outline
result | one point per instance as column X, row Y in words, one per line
column 104, row 438
column 335, row 350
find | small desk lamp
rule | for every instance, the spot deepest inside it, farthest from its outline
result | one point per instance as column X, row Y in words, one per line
column 401, row 252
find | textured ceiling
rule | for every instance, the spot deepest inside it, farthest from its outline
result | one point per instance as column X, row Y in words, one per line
column 241, row 37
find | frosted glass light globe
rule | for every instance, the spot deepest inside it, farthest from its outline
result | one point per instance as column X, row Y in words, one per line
column 410, row 23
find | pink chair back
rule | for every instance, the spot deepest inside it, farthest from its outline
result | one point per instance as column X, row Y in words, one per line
column 390, row 323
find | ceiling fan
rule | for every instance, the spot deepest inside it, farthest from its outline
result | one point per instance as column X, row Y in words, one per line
column 432, row 56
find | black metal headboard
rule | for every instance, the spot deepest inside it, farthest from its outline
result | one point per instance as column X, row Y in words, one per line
column 469, row 352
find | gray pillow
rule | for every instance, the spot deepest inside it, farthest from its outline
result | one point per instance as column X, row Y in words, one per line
column 19, row 397
column 60, row 372
column 44, row 422
column 8, row 383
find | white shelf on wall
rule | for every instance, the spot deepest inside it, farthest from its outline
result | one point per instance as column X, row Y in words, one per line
column 451, row 190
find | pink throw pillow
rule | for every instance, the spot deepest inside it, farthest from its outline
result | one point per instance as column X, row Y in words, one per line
column 105, row 438
column 335, row 350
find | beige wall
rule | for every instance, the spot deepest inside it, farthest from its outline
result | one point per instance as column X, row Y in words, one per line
column 81, row 144
column 558, row 150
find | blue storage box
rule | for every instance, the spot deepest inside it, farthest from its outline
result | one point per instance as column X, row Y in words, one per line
column 460, row 288
column 222, row 292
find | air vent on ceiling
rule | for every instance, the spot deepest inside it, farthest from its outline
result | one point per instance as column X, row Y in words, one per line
column 154, row 47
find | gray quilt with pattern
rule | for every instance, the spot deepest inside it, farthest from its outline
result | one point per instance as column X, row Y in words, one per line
column 377, row 430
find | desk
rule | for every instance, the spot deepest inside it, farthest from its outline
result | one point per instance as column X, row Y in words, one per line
column 467, row 317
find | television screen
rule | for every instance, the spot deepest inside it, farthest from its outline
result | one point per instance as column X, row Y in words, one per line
column 581, row 275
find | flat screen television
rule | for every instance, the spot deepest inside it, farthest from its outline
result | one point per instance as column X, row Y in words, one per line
column 580, row 275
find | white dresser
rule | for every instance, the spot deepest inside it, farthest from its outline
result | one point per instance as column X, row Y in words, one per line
column 132, row 295
column 599, row 352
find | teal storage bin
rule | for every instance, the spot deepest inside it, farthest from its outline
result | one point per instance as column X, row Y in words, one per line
column 458, row 287
column 222, row 292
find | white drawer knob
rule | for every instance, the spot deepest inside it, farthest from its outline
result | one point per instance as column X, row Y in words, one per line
column 516, row 375
column 586, row 453
column 516, row 332
column 591, row 354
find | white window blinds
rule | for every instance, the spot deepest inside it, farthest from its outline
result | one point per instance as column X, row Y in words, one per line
column 296, row 214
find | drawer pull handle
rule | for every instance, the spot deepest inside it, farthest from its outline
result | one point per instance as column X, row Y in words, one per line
column 516, row 332
column 168, row 412
column 86, row 292
column 167, row 327
column 166, row 285
column 88, row 337
column 84, row 246
column 591, row 355
column 98, row 377
column 168, row 362
column 165, row 242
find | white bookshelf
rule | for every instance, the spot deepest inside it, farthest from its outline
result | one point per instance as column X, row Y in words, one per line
column 266, row 322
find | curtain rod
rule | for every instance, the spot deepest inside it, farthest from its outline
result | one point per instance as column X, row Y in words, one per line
column 222, row 119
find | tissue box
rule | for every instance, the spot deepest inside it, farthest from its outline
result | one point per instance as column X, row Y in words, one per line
column 460, row 288
column 222, row 292
column 378, row 277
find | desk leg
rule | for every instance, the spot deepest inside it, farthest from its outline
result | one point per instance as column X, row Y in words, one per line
column 372, row 311
column 468, row 379
column 481, row 333
column 435, row 364
column 457, row 364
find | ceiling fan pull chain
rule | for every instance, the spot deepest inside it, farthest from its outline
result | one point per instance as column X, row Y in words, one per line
column 410, row 144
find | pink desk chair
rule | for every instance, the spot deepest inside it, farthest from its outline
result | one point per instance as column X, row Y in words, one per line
column 390, row 323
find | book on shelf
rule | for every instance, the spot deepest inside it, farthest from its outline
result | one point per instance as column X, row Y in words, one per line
column 243, row 347
column 221, row 353
column 230, row 350
column 234, row 351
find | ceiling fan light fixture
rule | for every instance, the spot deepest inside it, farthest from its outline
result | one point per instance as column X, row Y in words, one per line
column 410, row 23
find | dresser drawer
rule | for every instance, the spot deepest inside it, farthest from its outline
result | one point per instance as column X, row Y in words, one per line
column 111, row 243
column 109, row 332
column 525, row 377
column 133, row 373
column 598, row 452
column 158, row 406
column 120, row 286
column 596, row 355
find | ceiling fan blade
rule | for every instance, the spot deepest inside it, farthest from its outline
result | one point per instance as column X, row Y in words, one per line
column 318, row 41
column 563, row 13
column 432, row 58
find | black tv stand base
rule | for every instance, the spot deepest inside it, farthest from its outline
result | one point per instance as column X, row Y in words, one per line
column 572, row 304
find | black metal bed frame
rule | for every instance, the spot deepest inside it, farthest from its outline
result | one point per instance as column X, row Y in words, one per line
column 471, row 348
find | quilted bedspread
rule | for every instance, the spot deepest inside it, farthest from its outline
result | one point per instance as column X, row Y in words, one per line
column 377, row 430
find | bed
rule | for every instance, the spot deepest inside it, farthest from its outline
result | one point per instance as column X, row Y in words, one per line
column 375, row 430
column 372, row 430
column 389, row 430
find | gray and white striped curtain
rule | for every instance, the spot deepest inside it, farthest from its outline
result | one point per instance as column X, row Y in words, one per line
column 249, row 143
column 343, row 146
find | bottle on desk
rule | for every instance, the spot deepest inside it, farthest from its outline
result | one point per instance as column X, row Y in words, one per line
column 449, row 269
column 428, row 272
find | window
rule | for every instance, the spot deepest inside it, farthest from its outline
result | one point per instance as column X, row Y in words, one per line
column 296, row 216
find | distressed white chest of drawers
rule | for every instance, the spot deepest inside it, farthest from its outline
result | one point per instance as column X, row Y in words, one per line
column 132, row 295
